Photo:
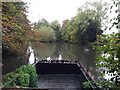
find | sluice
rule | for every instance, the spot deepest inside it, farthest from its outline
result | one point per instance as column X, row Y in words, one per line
column 62, row 75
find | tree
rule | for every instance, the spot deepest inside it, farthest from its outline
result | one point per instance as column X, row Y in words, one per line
column 108, row 55
column 42, row 22
column 65, row 30
column 45, row 31
column 90, row 20
column 15, row 27
column 57, row 29
column 85, row 25
column 46, row 34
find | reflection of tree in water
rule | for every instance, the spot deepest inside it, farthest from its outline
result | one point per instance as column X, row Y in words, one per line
column 44, row 50
column 71, row 51
column 90, row 59
column 83, row 53
column 57, row 50
column 67, row 51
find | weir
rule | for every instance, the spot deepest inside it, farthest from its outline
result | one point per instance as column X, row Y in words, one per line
column 61, row 74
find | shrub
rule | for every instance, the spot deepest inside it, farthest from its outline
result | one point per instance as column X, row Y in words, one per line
column 24, row 76
column 29, row 69
column 9, row 79
column 23, row 79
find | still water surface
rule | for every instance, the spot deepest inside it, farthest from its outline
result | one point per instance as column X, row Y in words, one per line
column 74, row 52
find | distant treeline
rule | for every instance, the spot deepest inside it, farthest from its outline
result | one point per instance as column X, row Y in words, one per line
column 84, row 27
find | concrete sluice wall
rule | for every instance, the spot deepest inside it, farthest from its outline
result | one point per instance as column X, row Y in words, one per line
column 57, row 68
column 59, row 76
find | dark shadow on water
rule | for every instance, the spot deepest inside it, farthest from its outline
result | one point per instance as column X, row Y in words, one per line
column 10, row 63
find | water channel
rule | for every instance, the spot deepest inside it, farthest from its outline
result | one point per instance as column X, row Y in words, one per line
column 82, row 53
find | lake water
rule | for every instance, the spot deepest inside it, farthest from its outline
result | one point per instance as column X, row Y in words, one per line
column 74, row 52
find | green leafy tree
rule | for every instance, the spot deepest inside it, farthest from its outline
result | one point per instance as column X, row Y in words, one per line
column 86, row 25
column 90, row 20
column 40, row 23
column 57, row 29
column 46, row 34
column 108, row 54
column 65, row 26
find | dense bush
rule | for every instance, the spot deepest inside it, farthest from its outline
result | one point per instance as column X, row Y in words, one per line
column 24, row 76
column 23, row 79
column 29, row 69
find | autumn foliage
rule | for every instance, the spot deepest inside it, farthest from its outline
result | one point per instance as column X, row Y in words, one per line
column 15, row 27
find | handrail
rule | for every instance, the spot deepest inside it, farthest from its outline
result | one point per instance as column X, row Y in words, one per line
column 54, row 61
column 87, row 76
